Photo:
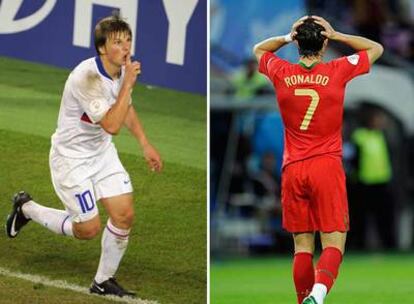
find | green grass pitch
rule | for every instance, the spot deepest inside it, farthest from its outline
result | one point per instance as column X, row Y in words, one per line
column 363, row 279
column 166, row 257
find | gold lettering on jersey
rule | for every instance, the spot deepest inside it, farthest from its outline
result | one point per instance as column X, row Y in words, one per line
column 308, row 79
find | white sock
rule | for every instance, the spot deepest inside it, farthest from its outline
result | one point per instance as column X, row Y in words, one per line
column 58, row 221
column 114, row 244
column 319, row 292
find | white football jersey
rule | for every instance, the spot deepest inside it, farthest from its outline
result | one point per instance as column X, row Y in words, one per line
column 88, row 94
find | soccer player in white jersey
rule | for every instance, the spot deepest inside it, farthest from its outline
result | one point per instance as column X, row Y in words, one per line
column 84, row 163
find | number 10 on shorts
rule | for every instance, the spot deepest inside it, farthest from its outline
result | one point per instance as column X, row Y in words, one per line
column 85, row 201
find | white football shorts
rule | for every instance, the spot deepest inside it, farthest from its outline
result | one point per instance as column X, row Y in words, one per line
column 80, row 183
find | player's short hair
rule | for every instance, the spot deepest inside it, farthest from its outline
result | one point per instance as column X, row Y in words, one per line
column 309, row 37
column 110, row 26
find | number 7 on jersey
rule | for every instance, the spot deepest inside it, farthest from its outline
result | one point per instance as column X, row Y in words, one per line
column 312, row 106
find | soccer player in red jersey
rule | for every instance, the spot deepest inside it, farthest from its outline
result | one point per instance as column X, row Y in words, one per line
column 310, row 95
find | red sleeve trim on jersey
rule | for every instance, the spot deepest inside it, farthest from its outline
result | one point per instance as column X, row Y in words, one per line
column 270, row 64
column 264, row 61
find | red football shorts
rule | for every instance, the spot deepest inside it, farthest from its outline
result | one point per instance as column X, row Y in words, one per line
column 314, row 195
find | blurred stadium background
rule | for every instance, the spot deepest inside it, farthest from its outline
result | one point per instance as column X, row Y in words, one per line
column 40, row 42
column 250, row 252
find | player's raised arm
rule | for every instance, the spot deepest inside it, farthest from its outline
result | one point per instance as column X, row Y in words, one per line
column 274, row 43
column 114, row 119
column 374, row 49
column 270, row 45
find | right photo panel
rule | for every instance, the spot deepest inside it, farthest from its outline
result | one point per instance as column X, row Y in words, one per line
column 311, row 151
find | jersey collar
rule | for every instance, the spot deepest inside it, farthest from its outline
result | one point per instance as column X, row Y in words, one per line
column 310, row 66
column 101, row 68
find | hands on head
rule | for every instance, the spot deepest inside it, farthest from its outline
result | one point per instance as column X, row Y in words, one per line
column 329, row 32
column 295, row 25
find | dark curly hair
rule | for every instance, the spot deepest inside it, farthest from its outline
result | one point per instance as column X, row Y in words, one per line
column 309, row 38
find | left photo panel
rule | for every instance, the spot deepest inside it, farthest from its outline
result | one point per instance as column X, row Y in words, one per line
column 103, row 151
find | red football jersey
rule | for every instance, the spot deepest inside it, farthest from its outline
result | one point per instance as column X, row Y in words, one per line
column 311, row 102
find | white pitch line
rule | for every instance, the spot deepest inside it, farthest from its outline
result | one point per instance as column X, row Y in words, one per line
column 68, row 286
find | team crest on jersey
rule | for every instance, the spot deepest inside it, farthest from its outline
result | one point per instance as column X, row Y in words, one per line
column 353, row 59
column 95, row 106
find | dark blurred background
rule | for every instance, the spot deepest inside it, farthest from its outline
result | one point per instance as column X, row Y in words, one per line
column 246, row 131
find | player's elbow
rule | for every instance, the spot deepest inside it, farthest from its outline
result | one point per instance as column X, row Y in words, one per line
column 375, row 52
column 380, row 50
column 110, row 127
column 113, row 130
column 255, row 48
column 258, row 51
